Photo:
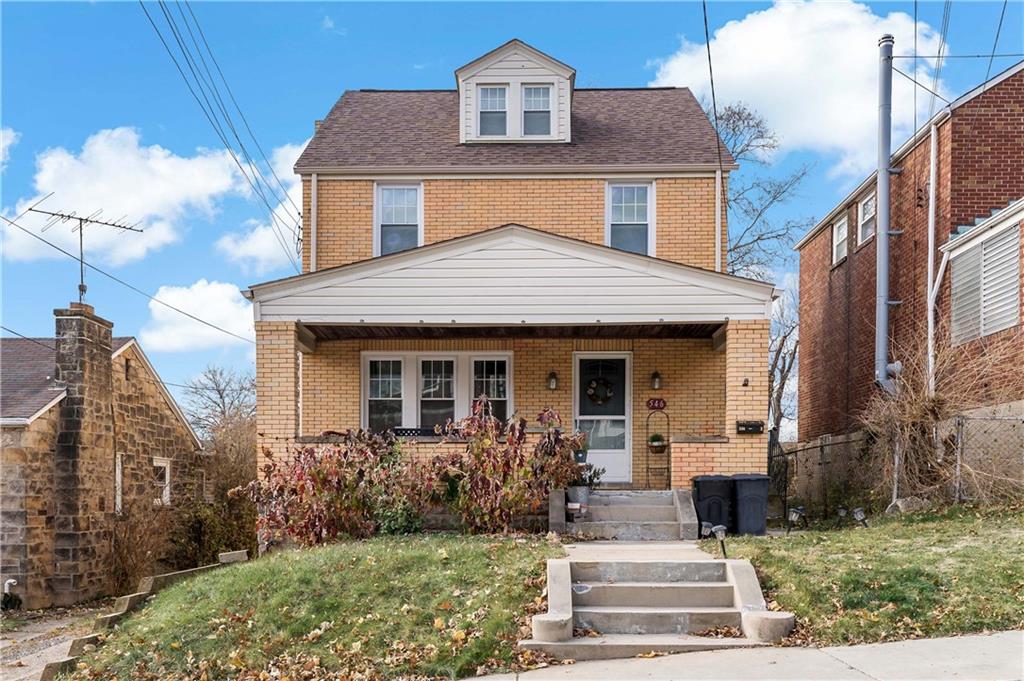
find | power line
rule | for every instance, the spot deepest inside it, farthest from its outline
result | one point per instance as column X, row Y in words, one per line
column 947, row 9
column 125, row 283
column 958, row 56
column 711, row 76
column 924, row 87
column 995, row 42
column 211, row 118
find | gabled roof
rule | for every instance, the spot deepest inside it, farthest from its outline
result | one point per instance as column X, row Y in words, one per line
column 514, row 45
column 417, row 131
column 512, row 276
column 905, row 148
column 27, row 383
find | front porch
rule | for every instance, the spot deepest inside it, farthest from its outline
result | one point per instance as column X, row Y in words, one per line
column 533, row 321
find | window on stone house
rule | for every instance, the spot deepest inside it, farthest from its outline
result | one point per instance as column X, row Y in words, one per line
column 162, row 481
column 839, row 239
column 118, row 483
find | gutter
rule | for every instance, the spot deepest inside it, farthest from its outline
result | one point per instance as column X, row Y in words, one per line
column 512, row 169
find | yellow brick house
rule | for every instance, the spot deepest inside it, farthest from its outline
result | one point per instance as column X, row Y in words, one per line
column 520, row 238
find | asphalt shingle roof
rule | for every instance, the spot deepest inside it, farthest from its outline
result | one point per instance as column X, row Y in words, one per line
column 27, row 369
column 420, row 129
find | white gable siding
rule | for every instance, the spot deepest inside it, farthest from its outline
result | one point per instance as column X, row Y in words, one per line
column 516, row 281
column 986, row 286
column 514, row 69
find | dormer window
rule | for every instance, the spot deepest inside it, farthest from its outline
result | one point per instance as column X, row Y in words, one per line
column 537, row 110
column 493, row 111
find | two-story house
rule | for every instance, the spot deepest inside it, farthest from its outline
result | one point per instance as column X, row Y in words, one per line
column 520, row 238
column 956, row 213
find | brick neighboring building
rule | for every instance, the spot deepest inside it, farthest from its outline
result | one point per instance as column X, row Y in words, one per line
column 546, row 245
column 88, row 429
column 979, row 174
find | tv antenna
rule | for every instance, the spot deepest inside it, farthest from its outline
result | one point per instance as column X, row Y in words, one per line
column 83, row 220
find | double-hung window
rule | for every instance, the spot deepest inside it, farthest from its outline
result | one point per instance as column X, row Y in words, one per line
column 417, row 390
column 493, row 111
column 537, row 110
column 490, row 380
column 985, row 286
column 437, row 392
column 840, row 232
column 384, row 394
column 118, row 483
column 398, row 218
column 162, row 481
column 866, row 219
column 629, row 226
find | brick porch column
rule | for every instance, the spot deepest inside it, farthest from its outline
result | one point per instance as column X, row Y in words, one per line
column 277, row 387
column 746, row 359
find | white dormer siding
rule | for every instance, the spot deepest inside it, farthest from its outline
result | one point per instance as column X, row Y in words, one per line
column 503, row 77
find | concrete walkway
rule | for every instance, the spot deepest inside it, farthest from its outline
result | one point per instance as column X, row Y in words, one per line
column 24, row 651
column 612, row 550
column 992, row 657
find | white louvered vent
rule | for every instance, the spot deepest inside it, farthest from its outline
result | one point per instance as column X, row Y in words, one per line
column 986, row 287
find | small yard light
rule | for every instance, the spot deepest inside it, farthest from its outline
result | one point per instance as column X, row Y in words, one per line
column 553, row 381
column 860, row 516
column 796, row 514
column 719, row 531
column 841, row 513
column 655, row 381
column 705, row 529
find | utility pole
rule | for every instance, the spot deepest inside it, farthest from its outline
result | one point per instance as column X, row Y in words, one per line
column 92, row 219
column 884, row 371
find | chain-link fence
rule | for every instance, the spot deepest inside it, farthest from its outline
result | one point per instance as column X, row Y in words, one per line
column 974, row 458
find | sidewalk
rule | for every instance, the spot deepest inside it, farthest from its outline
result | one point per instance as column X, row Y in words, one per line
column 991, row 657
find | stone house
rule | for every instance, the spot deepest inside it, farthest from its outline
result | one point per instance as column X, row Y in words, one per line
column 531, row 241
column 963, row 173
column 88, row 430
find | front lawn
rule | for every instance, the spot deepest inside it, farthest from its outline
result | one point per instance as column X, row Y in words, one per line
column 914, row 576
column 430, row 605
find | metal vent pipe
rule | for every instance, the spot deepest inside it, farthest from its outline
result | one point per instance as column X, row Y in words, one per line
column 884, row 371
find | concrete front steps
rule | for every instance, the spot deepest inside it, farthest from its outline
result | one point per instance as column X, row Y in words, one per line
column 638, row 515
column 641, row 606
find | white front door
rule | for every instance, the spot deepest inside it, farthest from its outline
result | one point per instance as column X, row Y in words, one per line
column 602, row 404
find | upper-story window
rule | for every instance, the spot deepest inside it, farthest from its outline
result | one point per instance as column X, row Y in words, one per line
column 494, row 110
column 537, row 110
column 866, row 219
column 630, row 216
column 840, row 232
column 399, row 219
column 985, row 286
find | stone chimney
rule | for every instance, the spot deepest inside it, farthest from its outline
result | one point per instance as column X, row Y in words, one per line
column 84, row 461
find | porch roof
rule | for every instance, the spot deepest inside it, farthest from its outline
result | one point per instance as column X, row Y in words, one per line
column 511, row 276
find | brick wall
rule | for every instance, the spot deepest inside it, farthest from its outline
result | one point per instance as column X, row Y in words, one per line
column 685, row 214
column 980, row 167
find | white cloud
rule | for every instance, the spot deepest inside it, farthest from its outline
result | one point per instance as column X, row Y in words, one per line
column 327, row 24
column 217, row 302
column 259, row 248
column 8, row 138
column 148, row 184
column 811, row 69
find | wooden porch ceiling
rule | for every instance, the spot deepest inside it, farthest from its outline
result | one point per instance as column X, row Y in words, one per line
column 326, row 332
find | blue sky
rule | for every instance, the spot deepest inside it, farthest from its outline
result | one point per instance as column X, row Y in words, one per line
column 72, row 71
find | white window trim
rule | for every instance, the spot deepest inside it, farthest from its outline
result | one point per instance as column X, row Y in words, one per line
column 411, row 380
column 652, row 203
column 628, row 356
column 860, row 219
column 377, row 213
column 552, row 106
column 118, row 483
column 508, row 107
column 835, row 243
column 419, row 383
column 165, row 495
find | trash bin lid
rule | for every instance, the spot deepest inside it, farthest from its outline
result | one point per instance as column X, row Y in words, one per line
column 710, row 478
column 750, row 476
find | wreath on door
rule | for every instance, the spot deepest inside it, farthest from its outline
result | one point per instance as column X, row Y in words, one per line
column 599, row 390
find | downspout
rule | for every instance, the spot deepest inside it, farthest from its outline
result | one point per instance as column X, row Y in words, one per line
column 718, row 220
column 884, row 371
column 932, row 283
column 312, row 222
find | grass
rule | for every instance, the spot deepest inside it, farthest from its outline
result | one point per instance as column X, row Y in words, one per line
column 914, row 576
column 427, row 605
column 11, row 623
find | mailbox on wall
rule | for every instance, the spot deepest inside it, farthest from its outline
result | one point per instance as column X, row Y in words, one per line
column 749, row 427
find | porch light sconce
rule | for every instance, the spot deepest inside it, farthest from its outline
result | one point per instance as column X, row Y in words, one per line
column 553, row 381
column 655, row 381
column 746, row 382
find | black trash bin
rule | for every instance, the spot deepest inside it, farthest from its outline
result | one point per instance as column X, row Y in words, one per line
column 712, row 495
column 750, row 503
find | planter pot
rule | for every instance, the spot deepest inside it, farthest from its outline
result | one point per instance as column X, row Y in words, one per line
column 658, row 447
column 579, row 495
